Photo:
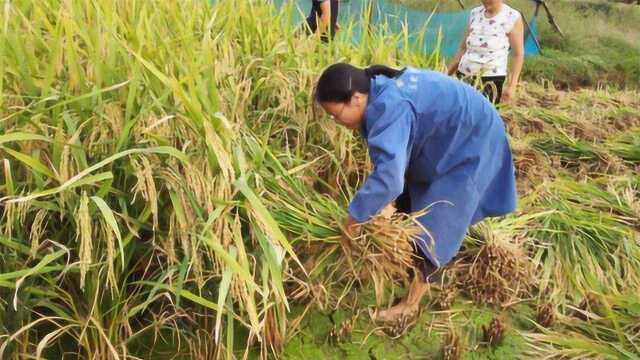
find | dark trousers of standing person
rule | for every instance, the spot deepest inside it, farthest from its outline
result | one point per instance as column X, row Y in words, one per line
column 491, row 85
column 314, row 18
column 430, row 272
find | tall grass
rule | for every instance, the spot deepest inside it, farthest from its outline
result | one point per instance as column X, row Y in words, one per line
column 167, row 189
column 133, row 216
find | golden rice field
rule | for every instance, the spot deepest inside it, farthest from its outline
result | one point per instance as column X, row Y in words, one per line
column 169, row 191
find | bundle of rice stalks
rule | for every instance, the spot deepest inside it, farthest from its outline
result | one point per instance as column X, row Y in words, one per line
column 383, row 251
column 589, row 308
column 545, row 314
column 572, row 152
column 400, row 326
column 445, row 299
column 494, row 333
column 387, row 244
column 532, row 166
column 587, row 241
column 610, row 333
column 273, row 333
column 342, row 333
column 453, row 347
column 202, row 348
column 626, row 146
column 499, row 273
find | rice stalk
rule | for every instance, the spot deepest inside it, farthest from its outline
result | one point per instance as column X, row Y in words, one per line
column 84, row 237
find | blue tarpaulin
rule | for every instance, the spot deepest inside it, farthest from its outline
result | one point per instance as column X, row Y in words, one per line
column 451, row 25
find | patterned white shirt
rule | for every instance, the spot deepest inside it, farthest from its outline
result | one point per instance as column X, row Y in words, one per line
column 488, row 44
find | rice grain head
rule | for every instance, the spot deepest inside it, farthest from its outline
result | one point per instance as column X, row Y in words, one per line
column 453, row 347
column 145, row 186
column 115, row 117
column 68, row 167
column 494, row 333
column 84, row 236
column 14, row 214
column 38, row 228
column 109, row 238
column 498, row 272
column 545, row 314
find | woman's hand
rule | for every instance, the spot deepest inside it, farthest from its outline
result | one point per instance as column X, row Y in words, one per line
column 350, row 230
column 516, row 40
column 351, row 227
column 508, row 94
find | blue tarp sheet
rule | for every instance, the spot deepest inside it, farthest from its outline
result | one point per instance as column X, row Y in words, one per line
column 451, row 25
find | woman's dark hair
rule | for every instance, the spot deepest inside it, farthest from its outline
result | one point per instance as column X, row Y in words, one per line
column 339, row 81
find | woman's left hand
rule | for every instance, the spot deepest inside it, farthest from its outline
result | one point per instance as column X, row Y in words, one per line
column 507, row 94
column 351, row 227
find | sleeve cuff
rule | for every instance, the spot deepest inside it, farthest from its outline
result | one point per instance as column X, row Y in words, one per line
column 357, row 214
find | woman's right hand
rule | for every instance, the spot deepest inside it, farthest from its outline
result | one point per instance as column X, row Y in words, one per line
column 351, row 227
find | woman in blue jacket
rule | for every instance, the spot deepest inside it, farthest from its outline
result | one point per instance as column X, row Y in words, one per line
column 434, row 142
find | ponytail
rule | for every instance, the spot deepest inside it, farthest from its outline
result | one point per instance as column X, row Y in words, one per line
column 374, row 70
column 340, row 81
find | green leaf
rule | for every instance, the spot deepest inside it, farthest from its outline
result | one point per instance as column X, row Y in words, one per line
column 223, row 289
column 182, row 274
column 15, row 245
column 86, row 181
column 191, row 297
column 88, row 95
column 84, row 173
column 275, row 269
column 244, row 274
column 270, row 226
column 107, row 214
column 31, row 162
column 22, row 136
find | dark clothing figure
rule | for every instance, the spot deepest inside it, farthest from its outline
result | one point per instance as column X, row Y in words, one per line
column 491, row 85
column 314, row 18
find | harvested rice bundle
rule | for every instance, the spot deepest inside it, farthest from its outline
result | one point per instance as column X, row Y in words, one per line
column 497, row 272
column 445, row 299
column 589, row 308
column 453, row 347
column 494, row 333
column 532, row 166
column 546, row 315
column 387, row 244
column 340, row 333
column 383, row 252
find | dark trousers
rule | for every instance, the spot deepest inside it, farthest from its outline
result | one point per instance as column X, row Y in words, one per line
column 430, row 272
column 491, row 85
column 314, row 17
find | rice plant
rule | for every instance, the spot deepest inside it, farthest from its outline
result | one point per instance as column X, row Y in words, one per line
column 168, row 190
column 131, row 207
column 587, row 241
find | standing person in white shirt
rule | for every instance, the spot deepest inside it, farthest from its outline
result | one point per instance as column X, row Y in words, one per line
column 493, row 29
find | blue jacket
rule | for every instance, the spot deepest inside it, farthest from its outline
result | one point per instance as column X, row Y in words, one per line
column 444, row 143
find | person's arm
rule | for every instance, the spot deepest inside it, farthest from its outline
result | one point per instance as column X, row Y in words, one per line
column 388, row 142
column 516, row 40
column 326, row 14
column 453, row 66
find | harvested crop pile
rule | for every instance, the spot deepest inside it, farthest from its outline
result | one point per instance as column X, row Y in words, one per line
column 387, row 245
column 453, row 348
column 494, row 333
column 545, row 315
column 497, row 274
column 445, row 299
